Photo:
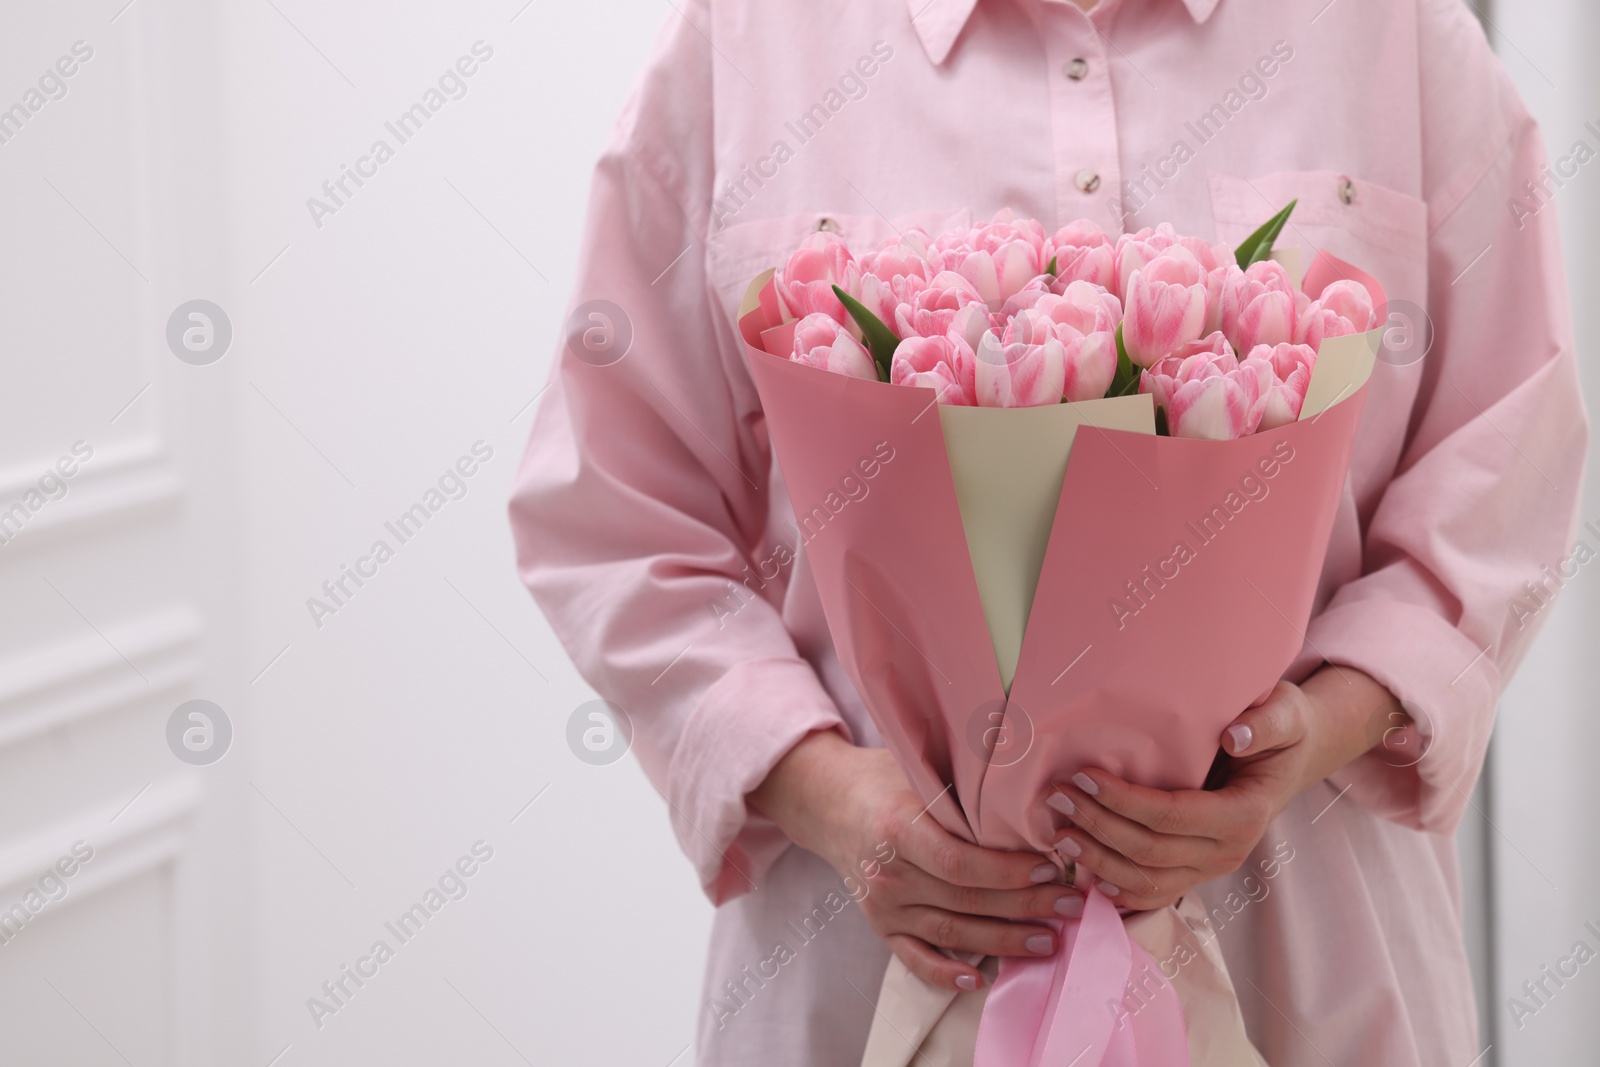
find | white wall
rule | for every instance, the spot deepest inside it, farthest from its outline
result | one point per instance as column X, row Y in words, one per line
column 431, row 708
column 369, row 353
column 1544, row 786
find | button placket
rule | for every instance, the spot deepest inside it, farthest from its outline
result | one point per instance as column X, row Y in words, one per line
column 1083, row 118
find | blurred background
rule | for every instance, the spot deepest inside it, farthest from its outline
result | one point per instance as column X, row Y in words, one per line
column 254, row 366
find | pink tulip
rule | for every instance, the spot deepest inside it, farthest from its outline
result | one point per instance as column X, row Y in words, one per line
column 932, row 309
column 1258, row 306
column 1134, row 250
column 943, row 364
column 1026, row 297
column 1008, row 227
column 1013, row 372
column 1175, row 266
column 1003, row 259
column 1084, row 306
column 905, row 255
column 1210, row 256
column 1082, row 252
column 806, row 282
column 1160, row 317
column 1205, row 392
column 1282, row 374
column 883, row 296
column 1087, row 335
column 971, row 322
column 821, row 341
column 1345, row 307
column 946, row 251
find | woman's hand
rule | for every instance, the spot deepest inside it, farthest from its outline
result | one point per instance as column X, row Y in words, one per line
column 920, row 888
column 1146, row 848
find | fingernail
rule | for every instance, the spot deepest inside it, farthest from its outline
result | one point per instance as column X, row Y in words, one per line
column 1068, row 847
column 1241, row 735
column 1040, row 944
column 1108, row 889
column 1062, row 803
column 1070, row 907
column 1085, row 783
column 967, row 982
column 1045, row 872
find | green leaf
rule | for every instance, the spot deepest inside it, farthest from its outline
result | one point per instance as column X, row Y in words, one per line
column 1050, row 268
column 1126, row 380
column 881, row 341
column 1258, row 246
column 1161, row 422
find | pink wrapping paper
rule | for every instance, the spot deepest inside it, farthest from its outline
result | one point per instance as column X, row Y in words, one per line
column 1143, row 691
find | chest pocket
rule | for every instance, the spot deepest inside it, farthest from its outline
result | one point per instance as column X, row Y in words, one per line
column 1382, row 231
column 739, row 252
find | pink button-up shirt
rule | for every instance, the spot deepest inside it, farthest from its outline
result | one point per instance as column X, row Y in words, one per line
column 648, row 500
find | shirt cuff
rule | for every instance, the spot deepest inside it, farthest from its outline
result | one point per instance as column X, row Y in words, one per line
column 1421, row 777
column 747, row 721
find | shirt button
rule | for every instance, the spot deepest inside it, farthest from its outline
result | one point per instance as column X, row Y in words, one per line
column 1088, row 181
column 1347, row 191
column 1077, row 70
column 827, row 225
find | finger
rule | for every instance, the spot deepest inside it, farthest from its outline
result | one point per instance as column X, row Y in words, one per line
column 1125, row 882
column 950, row 859
column 1136, row 841
column 966, row 933
column 1053, row 901
column 933, row 966
column 1181, row 812
column 1267, row 727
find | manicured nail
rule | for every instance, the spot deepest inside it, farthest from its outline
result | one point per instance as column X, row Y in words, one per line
column 1108, row 889
column 1062, row 803
column 1040, row 944
column 1070, row 907
column 1068, row 847
column 1240, row 734
column 1085, row 783
column 967, row 982
column 1045, row 872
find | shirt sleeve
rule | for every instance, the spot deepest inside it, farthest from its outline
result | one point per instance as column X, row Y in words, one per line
column 644, row 488
column 1487, row 491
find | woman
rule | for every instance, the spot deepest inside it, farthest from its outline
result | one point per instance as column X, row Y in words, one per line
column 653, row 528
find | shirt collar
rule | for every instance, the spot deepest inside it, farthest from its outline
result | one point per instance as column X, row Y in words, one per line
column 939, row 22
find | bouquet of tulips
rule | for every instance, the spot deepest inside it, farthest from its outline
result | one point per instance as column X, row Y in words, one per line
column 1140, row 444
column 1004, row 315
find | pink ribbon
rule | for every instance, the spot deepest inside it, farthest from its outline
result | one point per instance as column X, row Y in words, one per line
column 1078, row 1007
